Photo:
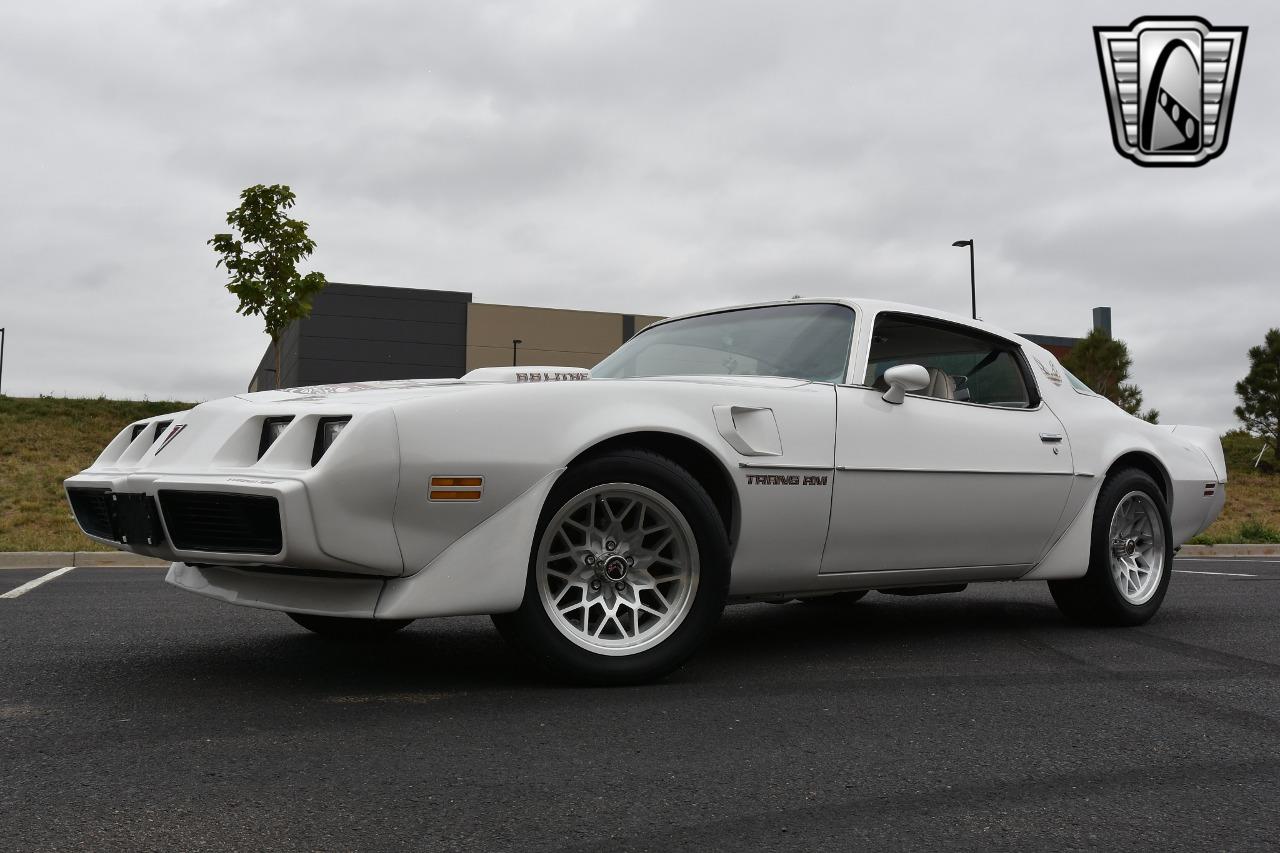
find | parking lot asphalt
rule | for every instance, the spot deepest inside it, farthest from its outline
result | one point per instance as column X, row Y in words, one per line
column 135, row 716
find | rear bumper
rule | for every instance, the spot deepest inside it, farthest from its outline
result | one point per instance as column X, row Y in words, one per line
column 1217, row 501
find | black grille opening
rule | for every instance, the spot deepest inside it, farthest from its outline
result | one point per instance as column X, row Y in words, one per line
column 136, row 519
column 92, row 510
column 222, row 522
column 126, row 517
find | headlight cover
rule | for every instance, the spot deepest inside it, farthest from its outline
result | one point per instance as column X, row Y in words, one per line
column 327, row 431
column 271, row 430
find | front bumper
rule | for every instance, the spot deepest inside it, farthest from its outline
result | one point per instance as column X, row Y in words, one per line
column 143, row 514
column 482, row 572
column 292, row 593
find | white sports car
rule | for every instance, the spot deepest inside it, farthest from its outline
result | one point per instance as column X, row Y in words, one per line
column 811, row 449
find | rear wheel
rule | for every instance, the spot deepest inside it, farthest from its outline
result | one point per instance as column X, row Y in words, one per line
column 343, row 628
column 628, row 573
column 1130, row 557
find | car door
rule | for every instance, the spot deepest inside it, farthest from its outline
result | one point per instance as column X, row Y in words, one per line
column 972, row 471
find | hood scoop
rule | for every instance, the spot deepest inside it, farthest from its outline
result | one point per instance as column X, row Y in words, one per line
column 521, row 375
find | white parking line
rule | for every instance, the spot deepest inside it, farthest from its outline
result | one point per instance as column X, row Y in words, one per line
column 1221, row 574
column 30, row 585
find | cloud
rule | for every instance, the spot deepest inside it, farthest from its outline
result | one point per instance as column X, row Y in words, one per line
column 652, row 157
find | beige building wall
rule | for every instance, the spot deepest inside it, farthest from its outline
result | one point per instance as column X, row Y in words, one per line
column 643, row 320
column 550, row 336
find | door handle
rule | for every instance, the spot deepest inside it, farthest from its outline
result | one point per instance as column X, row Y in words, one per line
column 1051, row 437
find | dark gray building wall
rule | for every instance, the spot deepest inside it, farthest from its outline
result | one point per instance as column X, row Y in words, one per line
column 1102, row 319
column 358, row 332
column 264, row 376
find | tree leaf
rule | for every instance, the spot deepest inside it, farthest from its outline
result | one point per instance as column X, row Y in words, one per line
column 261, row 255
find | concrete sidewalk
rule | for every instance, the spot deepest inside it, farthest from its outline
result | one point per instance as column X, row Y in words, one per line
column 1230, row 551
column 61, row 559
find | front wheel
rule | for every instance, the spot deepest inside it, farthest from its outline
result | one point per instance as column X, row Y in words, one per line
column 628, row 572
column 1130, row 558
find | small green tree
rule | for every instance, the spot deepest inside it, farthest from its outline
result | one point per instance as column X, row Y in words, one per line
column 1259, row 391
column 1102, row 362
column 261, row 254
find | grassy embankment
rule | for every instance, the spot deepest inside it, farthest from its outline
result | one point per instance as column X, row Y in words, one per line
column 1252, row 514
column 45, row 440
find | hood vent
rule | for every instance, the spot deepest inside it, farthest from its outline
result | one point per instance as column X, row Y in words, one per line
column 520, row 375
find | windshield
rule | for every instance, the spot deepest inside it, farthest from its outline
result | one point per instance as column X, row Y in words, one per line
column 801, row 341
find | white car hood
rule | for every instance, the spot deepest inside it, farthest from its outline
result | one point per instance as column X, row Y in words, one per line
column 368, row 394
column 359, row 393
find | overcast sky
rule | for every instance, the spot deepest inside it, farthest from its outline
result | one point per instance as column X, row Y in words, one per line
column 625, row 156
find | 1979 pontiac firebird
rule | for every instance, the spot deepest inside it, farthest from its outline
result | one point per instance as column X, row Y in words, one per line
column 808, row 449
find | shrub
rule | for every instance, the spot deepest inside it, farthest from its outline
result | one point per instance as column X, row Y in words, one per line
column 1254, row 532
column 1241, row 449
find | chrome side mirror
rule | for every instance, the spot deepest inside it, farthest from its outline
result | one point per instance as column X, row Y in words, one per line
column 904, row 378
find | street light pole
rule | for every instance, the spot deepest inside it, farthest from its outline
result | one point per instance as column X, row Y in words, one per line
column 515, row 342
column 1, row 357
column 973, row 282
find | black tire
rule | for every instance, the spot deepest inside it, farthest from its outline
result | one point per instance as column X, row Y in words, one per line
column 349, row 629
column 1096, row 598
column 840, row 599
column 531, row 631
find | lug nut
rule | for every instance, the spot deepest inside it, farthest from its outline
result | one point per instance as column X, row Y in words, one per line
column 590, row 559
column 631, row 561
column 595, row 586
column 619, row 586
column 610, row 545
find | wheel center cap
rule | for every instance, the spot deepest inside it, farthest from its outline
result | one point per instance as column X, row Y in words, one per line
column 615, row 568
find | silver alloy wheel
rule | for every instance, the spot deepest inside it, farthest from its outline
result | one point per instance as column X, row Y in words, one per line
column 617, row 569
column 1137, row 544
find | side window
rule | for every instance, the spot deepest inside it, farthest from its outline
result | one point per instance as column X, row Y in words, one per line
column 964, row 365
column 1080, row 387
